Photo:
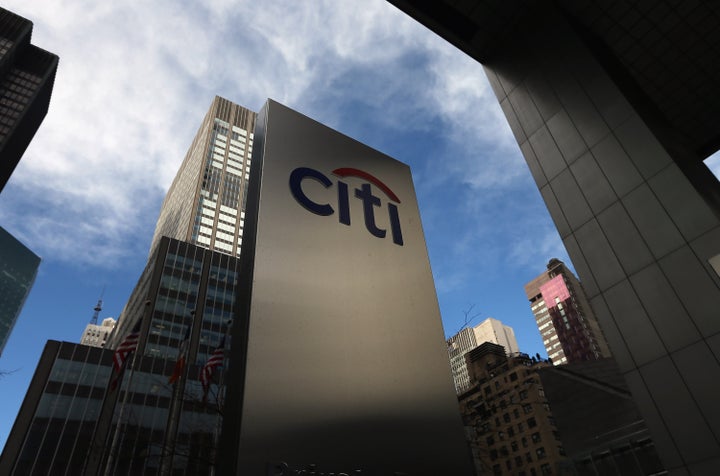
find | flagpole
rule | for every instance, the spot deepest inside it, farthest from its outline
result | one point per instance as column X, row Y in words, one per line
column 218, row 419
column 116, row 435
column 176, row 404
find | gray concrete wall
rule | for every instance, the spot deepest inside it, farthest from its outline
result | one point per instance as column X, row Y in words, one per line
column 639, row 233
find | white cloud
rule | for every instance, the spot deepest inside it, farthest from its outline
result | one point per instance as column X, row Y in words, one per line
column 136, row 78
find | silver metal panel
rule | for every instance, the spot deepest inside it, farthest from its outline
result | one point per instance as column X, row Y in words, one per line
column 347, row 367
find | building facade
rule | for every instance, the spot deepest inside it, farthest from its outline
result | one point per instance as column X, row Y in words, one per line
column 567, row 324
column 601, row 427
column 73, row 421
column 96, row 335
column 18, row 269
column 613, row 106
column 27, row 74
column 507, row 418
column 182, row 305
column 205, row 204
column 490, row 330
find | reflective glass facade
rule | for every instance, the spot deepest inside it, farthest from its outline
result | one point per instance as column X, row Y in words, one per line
column 147, row 425
column 18, row 268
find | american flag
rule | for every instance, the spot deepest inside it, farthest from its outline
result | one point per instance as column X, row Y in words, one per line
column 216, row 360
column 128, row 345
column 180, row 364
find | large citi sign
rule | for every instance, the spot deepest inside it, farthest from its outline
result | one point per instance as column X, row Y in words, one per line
column 338, row 363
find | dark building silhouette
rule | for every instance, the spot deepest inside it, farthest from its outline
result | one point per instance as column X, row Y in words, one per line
column 72, row 421
column 27, row 74
column 601, row 427
column 508, row 421
column 615, row 107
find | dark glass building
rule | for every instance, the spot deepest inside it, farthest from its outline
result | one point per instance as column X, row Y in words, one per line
column 27, row 74
column 614, row 106
column 72, row 421
column 18, row 268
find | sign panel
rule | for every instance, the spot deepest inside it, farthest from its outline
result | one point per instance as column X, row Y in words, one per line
column 345, row 363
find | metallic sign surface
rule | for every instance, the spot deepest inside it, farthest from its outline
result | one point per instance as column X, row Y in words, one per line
column 346, row 368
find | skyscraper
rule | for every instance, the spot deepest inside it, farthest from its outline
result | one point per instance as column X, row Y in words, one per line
column 167, row 413
column 18, row 269
column 566, row 321
column 205, row 203
column 183, row 306
column 598, row 97
column 490, row 330
column 27, row 74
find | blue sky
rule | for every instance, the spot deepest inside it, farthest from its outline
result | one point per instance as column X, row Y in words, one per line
column 134, row 82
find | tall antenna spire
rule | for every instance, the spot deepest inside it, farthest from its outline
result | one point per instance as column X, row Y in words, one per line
column 97, row 308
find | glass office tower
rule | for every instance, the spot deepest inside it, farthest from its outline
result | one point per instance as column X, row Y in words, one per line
column 18, row 269
column 73, row 421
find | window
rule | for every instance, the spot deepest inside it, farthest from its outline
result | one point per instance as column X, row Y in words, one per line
column 528, row 458
column 490, row 440
column 518, row 461
column 531, row 422
column 513, row 377
column 527, row 408
column 516, row 413
column 524, row 442
column 510, row 431
column 506, row 418
column 514, row 446
column 508, row 464
column 523, row 394
column 545, row 469
column 540, row 452
column 535, row 437
column 493, row 455
column 497, row 469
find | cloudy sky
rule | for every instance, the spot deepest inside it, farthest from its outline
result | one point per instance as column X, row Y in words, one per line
column 134, row 81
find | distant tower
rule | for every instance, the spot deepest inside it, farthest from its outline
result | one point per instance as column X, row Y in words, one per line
column 566, row 322
column 490, row 330
column 97, row 335
column 97, row 309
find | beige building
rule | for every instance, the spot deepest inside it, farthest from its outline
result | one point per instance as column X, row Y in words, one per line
column 507, row 417
column 490, row 330
column 206, row 201
column 96, row 335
